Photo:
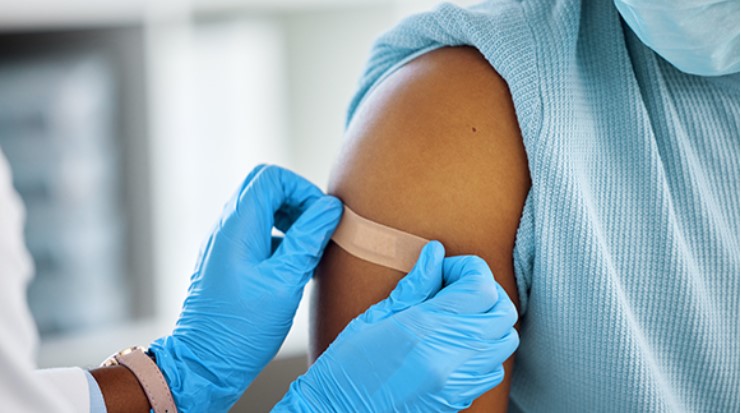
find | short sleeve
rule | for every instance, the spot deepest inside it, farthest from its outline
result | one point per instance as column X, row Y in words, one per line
column 523, row 254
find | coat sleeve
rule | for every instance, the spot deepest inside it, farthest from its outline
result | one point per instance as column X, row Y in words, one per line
column 22, row 388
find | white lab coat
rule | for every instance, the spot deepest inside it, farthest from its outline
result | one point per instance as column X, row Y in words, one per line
column 22, row 387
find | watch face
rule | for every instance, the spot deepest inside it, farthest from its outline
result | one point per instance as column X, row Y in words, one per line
column 130, row 350
column 112, row 360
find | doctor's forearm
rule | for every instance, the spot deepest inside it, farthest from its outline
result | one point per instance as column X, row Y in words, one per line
column 121, row 390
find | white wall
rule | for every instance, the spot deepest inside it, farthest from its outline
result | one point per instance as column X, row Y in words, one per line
column 235, row 92
column 217, row 110
column 326, row 53
column 224, row 94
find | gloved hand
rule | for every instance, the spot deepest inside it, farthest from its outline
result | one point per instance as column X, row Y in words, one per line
column 423, row 349
column 242, row 300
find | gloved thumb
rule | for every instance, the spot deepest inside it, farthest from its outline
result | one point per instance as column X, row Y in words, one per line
column 304, row 243
column 422, row 283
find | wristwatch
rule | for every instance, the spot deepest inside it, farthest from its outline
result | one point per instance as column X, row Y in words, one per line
column 149, row 375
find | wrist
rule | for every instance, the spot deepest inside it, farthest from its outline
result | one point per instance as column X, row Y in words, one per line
column 194, row 386
column 146, row 374
column 120, row 389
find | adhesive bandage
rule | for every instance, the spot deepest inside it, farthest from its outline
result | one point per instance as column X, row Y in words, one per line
column 377, row 243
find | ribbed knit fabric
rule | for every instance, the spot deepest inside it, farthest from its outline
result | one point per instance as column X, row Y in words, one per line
column 627, row 254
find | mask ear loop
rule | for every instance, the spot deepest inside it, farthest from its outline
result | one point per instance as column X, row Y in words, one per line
column 377, row 243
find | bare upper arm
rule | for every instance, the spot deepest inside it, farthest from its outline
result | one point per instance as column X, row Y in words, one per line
column 436, row 151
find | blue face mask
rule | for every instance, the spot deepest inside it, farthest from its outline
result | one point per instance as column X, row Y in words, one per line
column 700, row 37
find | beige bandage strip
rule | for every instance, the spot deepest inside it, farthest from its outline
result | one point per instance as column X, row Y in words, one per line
column 377, row 243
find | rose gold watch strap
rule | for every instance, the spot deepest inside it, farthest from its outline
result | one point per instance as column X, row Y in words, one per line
column 151, row 379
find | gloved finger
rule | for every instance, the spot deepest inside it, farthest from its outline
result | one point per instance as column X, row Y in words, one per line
column 485, row 355
column 475, row 377
column 475, row 330
column 250, row 216
column 461, row 266
column 501, row 349
column 476, row 385
column 500, row 320
column 280, row 189
column 253, row 173
column 490, row 325
column 419, row 285
column 504, row 306
column 229, row 207
column 469, row 287
column 304, row 243
column 202, row 253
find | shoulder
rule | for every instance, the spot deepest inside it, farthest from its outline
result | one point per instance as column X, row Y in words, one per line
column 455, row 81
column 436, row 150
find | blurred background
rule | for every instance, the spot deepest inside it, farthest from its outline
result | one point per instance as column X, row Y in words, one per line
column 128, row 124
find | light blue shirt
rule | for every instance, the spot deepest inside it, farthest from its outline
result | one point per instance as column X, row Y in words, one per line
column 627, row 253
column 97, row 404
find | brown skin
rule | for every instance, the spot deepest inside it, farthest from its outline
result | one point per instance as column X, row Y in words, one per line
column 121, row 390
column 436, row 151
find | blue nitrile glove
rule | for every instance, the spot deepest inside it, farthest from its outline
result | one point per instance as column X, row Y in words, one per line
column 241, row 301
column 424, row 349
